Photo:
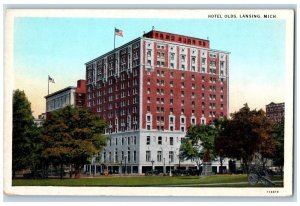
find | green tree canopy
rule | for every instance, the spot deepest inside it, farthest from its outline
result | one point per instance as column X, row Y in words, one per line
column 278, row 135
column 24, row 132
column 246, row 133
column 199, row 143
column 72, row 136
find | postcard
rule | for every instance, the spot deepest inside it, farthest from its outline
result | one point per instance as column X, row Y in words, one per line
column 149, row 102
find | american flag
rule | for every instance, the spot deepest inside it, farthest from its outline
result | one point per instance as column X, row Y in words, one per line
column 51, row 79
column 118, row 32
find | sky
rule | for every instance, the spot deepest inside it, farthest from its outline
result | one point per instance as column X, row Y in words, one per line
column 60, row 47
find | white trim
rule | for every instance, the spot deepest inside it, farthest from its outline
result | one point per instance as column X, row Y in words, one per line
column 141, row 82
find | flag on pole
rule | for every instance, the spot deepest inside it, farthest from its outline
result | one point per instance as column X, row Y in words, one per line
column 118, row 32
column 51, row 79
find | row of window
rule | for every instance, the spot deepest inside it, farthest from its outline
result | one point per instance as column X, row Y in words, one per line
column 116, row 157
column 193, row 104
column 122, row 141
column 91, row 75
column 181, row 39
column 160, row 121
column 58, row 102
column 169, row 140
column 161, row 73
column 161, row 82
column 159, row 157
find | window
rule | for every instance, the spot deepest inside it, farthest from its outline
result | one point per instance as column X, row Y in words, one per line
column 116, row 156
column 172, row 55
column 171, row 156
column 171, row 101
column 128, row 156
column 104, row 156
column 148, row 127
column 182, row 120
column 171, row 141
column 193, row 104
column 148, row 118
column 193, row 60
column 128, row 140
column 159, row 153
column 182, row 57
column 134, row 156
column 159, row 140
column 171, row 84
column 182, row 129
column 171, row 119
column 193, row 77
column 148, row 156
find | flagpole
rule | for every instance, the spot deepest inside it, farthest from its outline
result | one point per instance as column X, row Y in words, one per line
column 48, row 84
column 114, row 38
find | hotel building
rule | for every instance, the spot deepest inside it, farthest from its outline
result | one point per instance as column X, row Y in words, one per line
column 150, row 91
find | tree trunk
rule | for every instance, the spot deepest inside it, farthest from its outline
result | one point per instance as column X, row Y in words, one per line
column 61, row 171
column 221, row 168
column 77, row 171
column 70, row 172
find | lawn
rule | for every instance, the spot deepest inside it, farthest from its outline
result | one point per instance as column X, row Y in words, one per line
column 138, row 181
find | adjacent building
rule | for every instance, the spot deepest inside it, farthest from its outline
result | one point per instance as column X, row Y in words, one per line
column 69, row 96
column 40, row 120
column 275, row 112
column 150, row 91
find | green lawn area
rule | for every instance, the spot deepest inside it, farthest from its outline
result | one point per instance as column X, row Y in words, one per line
column 138, row 181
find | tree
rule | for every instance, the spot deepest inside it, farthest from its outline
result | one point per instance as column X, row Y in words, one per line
column 24, row 131
column 72, row 136
column 278, row 135
column 218, row 143
column 199, row 144
column 247, row 133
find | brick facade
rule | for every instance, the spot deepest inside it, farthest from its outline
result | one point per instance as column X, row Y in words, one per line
column 275, row 112
column 157, row 85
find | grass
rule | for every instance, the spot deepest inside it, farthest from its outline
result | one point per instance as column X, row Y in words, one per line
column 139, row 181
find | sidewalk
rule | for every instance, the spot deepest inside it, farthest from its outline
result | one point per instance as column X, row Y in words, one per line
column 212, row 184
